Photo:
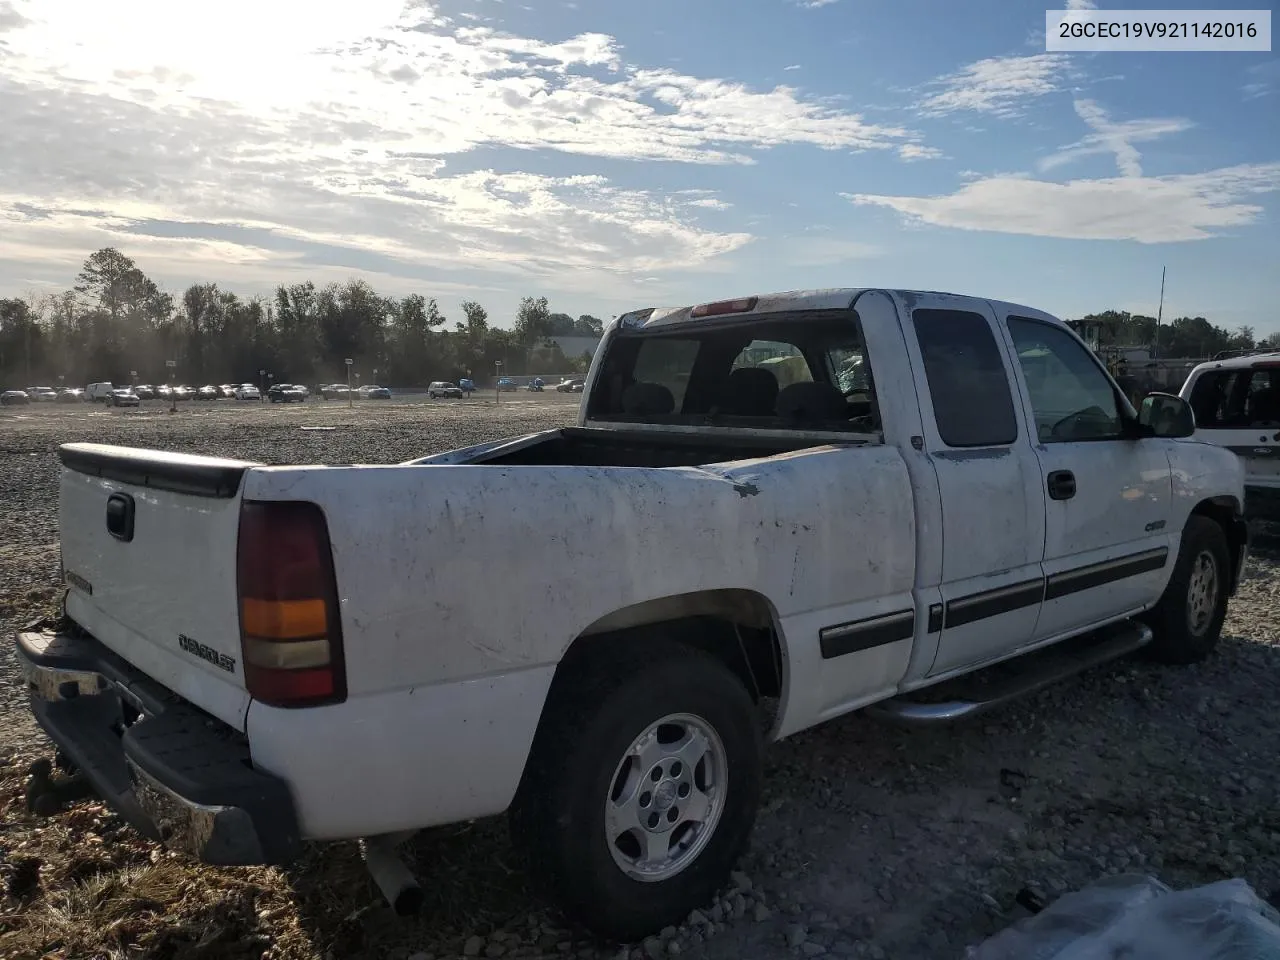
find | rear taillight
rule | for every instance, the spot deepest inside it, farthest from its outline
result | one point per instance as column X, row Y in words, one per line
column 290, row 630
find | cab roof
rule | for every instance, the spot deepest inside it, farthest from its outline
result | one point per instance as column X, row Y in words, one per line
column 791, row 301
column 1268, row 358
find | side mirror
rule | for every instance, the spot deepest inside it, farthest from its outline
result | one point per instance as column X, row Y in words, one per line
column 1167, row 415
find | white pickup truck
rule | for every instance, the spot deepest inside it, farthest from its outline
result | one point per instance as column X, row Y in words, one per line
column 816, row 502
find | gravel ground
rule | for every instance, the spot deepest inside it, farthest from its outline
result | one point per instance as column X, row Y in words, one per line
column 872, row 841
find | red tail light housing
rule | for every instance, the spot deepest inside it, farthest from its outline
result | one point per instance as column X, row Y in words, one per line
column 290, row 628
column 722, row 307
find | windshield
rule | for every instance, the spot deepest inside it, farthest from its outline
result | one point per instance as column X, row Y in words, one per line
column 786, row 371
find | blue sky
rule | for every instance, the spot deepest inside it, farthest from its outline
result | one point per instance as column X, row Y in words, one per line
column 612, row 155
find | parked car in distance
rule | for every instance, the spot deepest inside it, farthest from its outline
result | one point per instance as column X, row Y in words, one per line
column 182, row 392
column 467, row 386
column 164, row 391
column 42, row 394
column 442, row 388
column 227, row 391
column 286, row 393
column 145, row 391
column 334, row 391
column 374, row 392
column 207, row 392
column 124, row 397
column 14, row 398
column 1237, row 406
column 71, row 395
column 571, row 385
column 247, row 391
column 99, row 392
column 505, row 384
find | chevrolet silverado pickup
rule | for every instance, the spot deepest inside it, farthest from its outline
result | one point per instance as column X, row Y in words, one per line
column 785, row 507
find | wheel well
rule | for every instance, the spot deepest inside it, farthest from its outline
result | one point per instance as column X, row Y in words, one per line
column 737, row 627
column 1226, row 512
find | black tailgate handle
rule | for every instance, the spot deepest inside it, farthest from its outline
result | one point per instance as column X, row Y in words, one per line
column 120, row 516
column 1062, row 485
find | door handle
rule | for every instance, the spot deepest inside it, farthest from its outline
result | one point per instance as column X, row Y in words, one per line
column 1062, row 485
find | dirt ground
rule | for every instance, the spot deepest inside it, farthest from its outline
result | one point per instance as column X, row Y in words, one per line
column 872, row 841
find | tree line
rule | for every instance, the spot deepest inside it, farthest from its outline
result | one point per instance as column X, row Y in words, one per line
column 1185, row 338
column 116, row 320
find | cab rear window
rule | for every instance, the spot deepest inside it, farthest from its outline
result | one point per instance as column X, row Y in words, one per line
column 1236, row 399
column 786, row 371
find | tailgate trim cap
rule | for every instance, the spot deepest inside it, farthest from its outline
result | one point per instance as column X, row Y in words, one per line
column 191, row 474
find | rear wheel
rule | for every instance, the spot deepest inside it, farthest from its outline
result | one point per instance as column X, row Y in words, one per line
column 641, row 788
column 1187, row 621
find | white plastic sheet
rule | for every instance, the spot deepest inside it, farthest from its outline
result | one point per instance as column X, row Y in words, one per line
column 1139, row 918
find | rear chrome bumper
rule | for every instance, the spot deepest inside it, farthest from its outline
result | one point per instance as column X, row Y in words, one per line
column 171, row 771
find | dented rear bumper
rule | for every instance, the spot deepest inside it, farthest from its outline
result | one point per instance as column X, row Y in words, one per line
column 173, row 772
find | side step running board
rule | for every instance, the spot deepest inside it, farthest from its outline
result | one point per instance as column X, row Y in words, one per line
column 997, row 685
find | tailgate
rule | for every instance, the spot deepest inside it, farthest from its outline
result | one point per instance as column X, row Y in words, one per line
column 149, row 558
column 1257, row 447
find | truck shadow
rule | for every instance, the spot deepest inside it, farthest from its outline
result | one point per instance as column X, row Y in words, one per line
column 473, row 881
column 917, row 841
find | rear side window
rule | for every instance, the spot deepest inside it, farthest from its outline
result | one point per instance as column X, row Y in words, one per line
column 972, row 402
column 1236, row 399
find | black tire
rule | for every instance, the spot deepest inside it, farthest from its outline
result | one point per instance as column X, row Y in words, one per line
column 1185, row 631
column 595, row 714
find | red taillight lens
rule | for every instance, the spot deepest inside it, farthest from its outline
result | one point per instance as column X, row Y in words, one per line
column 290, row 631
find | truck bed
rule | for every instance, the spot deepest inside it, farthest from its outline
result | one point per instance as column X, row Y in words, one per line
column 594, row 447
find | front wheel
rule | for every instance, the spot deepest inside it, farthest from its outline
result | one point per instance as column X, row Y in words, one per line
column 1187, row 621
column 641, row 788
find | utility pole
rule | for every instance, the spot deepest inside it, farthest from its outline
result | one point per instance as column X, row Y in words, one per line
column 350, row 399
column 1159, row 315
column 497, row 387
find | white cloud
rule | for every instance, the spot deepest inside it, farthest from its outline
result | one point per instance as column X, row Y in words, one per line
column 997, row 85
column 1264, row 79
column 1114, row 138
column 916, row 151
column 1081, row 5
column 1144, row 209
column 265, row 125
column 794, row 66
column 515, row 224
column 814, row 4
column 10, row 18
column 427, row 85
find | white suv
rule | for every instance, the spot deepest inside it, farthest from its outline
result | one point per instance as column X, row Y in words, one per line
column 1237, row 406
